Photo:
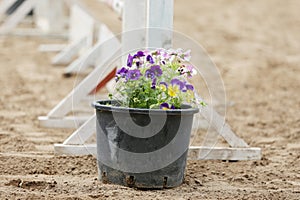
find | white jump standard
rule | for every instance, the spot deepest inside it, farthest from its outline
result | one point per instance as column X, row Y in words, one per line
column 146, row 9
column 49, row 18
column 81, row 36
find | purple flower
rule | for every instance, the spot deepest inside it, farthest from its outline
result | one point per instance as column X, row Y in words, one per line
column 166, row 106
column 129, row 60
column 133, row 74
column 157, row 70
column 139, row 54
column 138, row 64
column 122, row 71
column 154, row 71
column 189, row 87
column 150, row 74
column 164, row 83
column 153, row 86
column 176, row 81
column 150, row 59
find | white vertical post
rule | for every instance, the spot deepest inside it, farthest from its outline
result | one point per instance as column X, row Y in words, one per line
column 147, row 23
column 160, row 23
column 80, row 35
column 134, row 24
column 81, row 25
column 49, row 16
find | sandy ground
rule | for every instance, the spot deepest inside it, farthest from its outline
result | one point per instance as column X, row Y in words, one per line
column 256, row 46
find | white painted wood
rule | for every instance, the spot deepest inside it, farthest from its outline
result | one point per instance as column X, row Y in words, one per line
column 110, row 86
column 134, row 26
column 224, row 153
column 97, row 56
column 152, row 27
column 83, row 133
column 50, row 16
column 104, row 33
column 34, row 32
column 80, row 36
column 160, row 23
column 76, row 66
column 63, row 122
column 15, row 18
column 90, row 82
column 88, row 58
column 48, row 19
column 105, row 36
column 70, row 52
column 52, row 47
column 5, row 5
column 81, row 25
column 194, row 153
column 223, row 129
column 86, row 149
column 133, row 40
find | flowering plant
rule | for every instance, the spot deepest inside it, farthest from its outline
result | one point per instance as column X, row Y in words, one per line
column 155, row 79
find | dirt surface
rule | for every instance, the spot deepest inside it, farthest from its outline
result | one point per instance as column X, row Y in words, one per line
column 255, row 45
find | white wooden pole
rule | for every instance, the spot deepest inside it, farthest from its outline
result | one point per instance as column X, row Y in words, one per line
column 133, row 26
column 50, row 16
column 81, row 24
column 147, row 23
column 160, row 23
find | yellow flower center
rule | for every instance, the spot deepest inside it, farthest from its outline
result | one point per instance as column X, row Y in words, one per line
column 163, row 87
column 173, row 90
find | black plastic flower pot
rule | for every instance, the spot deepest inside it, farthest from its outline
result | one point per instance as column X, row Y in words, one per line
column 142, row 148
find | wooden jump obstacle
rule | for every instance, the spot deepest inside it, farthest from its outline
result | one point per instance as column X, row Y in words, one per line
column 81, row 32
column 149, row 11
column 88, row 58
column 49, row 18
column 96, row 55
column 105, row 32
